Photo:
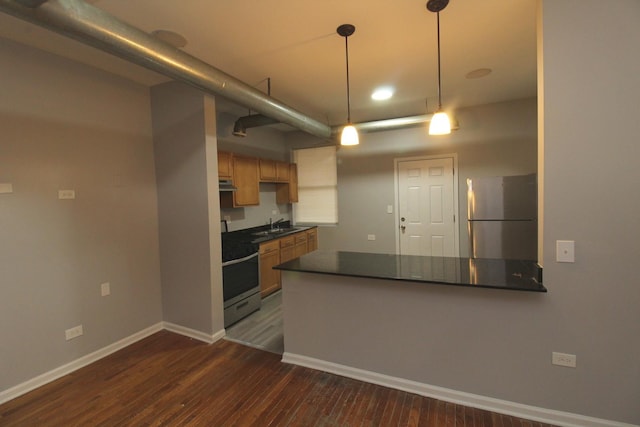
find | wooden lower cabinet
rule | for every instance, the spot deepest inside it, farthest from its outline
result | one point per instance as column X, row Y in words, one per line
column 269, row 258
column 281, row 250
column 287, row 252
column 312, row 239
column 300, row 244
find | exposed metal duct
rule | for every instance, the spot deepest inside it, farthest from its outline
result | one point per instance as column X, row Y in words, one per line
column 391, row 124
column 90, row 25
column 93, row 26
column 251, row 121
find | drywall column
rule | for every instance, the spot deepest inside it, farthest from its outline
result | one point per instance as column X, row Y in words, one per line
column 189, row 228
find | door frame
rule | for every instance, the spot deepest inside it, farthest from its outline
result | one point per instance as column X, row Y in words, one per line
column 456, row 228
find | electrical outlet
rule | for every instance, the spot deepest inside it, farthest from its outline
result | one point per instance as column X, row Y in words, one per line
column 563, row 359
column 227, row 218
column 565, row 251
column 66, row 194
column 105, row 289
column 73, row 332
column 371, row 237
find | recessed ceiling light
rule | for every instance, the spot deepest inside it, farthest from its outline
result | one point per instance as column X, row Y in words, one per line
column 480, row 72
column 171, row 37
column 382, row 93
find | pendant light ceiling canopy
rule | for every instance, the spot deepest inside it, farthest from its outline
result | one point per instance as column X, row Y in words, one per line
column 349, row 133
column 440, row 123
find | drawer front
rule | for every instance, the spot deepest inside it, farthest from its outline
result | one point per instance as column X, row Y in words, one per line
column 300, row 237
column 286, row 242
column 270, row 246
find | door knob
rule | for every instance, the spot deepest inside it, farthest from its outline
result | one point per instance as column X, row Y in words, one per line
column 402, row 227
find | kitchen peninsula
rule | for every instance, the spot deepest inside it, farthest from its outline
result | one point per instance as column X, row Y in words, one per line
column 484, row 273
column 403, row 321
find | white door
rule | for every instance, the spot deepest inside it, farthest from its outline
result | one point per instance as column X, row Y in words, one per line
column 426, row 207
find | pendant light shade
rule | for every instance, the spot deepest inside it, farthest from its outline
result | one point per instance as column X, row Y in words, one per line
column 349, row 133
column 349, row 136
column 440, row 123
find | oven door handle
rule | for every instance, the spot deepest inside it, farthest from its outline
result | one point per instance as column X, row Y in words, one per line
column 239, row 260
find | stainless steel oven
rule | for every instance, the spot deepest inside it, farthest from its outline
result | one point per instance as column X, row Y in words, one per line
column 240, row 280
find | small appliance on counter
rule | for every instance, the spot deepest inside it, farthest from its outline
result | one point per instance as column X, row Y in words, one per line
column 502, row 217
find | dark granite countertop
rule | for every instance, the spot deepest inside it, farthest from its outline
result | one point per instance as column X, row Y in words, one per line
column 483, row 273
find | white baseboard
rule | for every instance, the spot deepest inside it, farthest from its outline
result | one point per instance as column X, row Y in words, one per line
column 192, row 333
column 83, row 361
column 473, row 400
column 63, row 370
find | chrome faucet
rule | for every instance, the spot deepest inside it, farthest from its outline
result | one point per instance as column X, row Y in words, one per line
column 272, row 225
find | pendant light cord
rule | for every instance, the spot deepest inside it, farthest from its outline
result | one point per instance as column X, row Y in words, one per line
column 346, row 46
column 439, row 78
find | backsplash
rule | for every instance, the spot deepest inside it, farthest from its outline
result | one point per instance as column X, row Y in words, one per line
column 254, row 216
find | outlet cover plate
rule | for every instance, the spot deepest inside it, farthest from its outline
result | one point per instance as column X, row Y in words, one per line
column 565, row 251
column 74, row 332
column 563, row 359
column 66, row 194
column 105, row 289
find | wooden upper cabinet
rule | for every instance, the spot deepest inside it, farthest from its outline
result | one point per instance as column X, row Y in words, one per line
column 288, row 192
column 268, row 170
column 282, row 171
column 274, row 171
column 245, row 179
column 225, row 169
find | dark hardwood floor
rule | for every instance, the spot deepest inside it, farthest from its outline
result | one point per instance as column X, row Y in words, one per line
column 170, row 380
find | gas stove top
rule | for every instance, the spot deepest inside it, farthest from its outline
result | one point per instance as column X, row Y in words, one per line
column 237, row 245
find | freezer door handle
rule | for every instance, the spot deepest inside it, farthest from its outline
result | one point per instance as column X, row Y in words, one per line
column 472, row 250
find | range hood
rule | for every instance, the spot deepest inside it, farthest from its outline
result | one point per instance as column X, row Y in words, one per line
column 226, row 185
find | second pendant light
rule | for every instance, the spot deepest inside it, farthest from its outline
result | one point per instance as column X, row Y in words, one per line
column 349, row 133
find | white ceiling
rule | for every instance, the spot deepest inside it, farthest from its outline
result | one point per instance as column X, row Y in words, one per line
column 294, row 42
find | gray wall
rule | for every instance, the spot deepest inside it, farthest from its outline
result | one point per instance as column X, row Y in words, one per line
column 67, row 126
column 496, row 139
column 188, row 206
column 499, row 344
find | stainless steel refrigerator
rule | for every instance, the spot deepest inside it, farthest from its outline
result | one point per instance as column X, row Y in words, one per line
column 502, row 217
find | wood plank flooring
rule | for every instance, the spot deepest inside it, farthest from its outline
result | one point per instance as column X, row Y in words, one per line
column 262, row 329
column 170, row 380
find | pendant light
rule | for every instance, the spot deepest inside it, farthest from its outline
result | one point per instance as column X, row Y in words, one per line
column 440, row 123
column 349, row 132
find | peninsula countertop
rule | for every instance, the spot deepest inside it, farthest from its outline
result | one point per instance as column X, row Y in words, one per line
column 519, row 275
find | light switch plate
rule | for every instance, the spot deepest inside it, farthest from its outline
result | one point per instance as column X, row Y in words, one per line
column 389, row 209
column 6, row 187
column 66, row 194
column 565, row 251
column 105, row 289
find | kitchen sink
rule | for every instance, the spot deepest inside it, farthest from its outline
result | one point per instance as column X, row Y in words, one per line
column 275, row 231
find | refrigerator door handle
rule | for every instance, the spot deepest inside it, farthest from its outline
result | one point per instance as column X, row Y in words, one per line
column 472, row 250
